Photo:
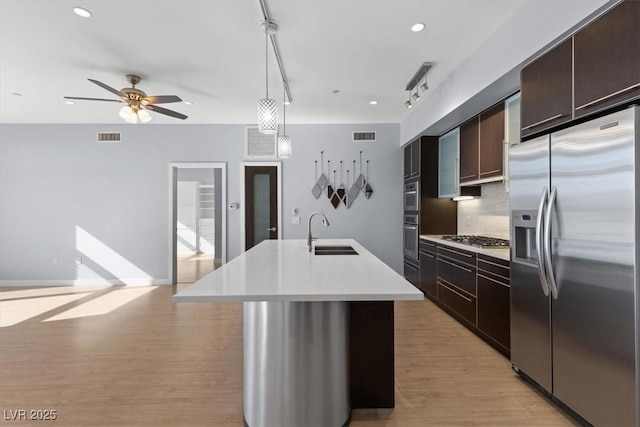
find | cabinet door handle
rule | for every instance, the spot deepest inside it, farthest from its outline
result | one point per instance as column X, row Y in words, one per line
column 272, row 229
column 456, row 252
column 468, row 176
column 456, row 265
column 611, row 95
column 493, row 280
column 454, row 291
column 542, row 122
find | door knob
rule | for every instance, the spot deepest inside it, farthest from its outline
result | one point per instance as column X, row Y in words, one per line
column 272, row 229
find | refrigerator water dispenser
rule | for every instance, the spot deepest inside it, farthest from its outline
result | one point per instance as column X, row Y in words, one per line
column 524, row 232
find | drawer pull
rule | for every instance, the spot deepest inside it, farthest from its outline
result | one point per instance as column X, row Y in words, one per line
column 492, row 263
column 493, row 280
column 611, row 95
column 429, row 255
column 454, row 291
column 456, row 265
column 542, row 122
column 457, row 252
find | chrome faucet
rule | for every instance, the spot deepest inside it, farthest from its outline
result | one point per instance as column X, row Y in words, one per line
column 325, row 222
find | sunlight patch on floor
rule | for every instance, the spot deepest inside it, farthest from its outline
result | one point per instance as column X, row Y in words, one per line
column 103, row 304
column 48, row 291
column 19, row 310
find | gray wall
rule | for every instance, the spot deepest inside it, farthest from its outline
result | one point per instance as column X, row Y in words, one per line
column 54, row 178
column 201, row 175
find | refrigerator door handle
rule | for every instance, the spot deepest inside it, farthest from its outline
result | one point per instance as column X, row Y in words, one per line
column 547, row 243
column 539, row 247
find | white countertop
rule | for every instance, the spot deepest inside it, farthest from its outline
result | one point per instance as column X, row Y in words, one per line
column 496, row 253
column 284, row 270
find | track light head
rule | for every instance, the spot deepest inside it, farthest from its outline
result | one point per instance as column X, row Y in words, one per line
column 408, row 104
column 424, row 86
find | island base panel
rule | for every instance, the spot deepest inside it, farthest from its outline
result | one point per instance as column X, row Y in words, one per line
column 296, row 357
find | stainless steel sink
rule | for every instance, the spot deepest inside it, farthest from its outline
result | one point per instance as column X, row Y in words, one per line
column 334, row 250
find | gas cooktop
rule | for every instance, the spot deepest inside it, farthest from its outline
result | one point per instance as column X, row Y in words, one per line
column 478, row 241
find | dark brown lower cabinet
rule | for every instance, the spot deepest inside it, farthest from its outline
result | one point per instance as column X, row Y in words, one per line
column 493, row 301
column 472, row 288
column 412, row 271
column 428, row 268
column 371, row 356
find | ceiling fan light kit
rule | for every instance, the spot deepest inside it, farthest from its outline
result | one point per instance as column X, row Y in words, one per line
column 137, row 101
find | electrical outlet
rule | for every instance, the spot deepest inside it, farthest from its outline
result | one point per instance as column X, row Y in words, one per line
column 295, row 220
column 467, row 220
column 78, row 260
column 54, row 260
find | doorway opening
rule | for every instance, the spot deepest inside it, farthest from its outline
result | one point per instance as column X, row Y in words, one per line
column 197, row 219
column 261, row 184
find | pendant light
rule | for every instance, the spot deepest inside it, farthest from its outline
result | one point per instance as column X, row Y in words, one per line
column 284, row 140
column 267, row 108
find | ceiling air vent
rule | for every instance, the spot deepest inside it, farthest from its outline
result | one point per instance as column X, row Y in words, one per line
column 110, row 137
column 364, row 136
column 258, row 144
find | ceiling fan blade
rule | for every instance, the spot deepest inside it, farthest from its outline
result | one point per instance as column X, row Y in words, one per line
column 93, row 99
column 109, row 88
column 165, row 111
column 162, row 99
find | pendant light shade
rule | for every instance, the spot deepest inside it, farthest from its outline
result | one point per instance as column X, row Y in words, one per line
column 267, row 108
column 284, row 146
column 267, row 116
column 284, row 140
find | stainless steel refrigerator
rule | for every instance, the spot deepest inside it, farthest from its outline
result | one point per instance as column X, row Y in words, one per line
column 574, row 266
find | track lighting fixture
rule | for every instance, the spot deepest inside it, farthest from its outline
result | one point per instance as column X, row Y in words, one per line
column 415, row 80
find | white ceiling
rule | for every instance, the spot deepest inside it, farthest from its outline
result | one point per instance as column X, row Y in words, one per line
column 211, row 52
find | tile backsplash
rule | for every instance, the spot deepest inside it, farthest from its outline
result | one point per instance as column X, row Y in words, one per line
column 487, row 215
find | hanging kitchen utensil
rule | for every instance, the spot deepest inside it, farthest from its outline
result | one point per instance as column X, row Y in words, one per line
column 316, row 190
column 335, row 198
column 354, row 190
column 341, row 191
column 349, row 200
column 323, row 180
column 330, row 189
column 360, row 180
column 367, row 188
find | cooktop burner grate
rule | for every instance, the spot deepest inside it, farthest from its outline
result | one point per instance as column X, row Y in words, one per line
column 478, row 241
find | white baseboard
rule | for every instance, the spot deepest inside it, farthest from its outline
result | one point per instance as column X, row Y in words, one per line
column 84, row 282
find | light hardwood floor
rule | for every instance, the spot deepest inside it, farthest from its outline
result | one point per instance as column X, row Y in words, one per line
column 130, row 357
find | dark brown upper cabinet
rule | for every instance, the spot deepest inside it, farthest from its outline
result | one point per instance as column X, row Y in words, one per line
column 607, row 60
column 547, row 90
column 469, row 150
column 492, row 142
column 412, row 160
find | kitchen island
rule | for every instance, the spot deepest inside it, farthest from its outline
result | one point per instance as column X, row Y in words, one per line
column 296, row 324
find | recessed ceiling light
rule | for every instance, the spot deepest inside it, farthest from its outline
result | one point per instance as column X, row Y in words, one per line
column 335, row 91
column 373, row 102
column 16, row 94
column 68, row 102
column 82, row 12
column 188, row 103
column 417, row 27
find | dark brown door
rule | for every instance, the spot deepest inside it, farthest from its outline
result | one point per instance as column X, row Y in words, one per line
column 492, row 141
column 261, row 204
column 469, row 150
column 546, row 90
column 607, row 59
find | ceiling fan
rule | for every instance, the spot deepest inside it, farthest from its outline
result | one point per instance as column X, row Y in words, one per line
column 137, row 101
